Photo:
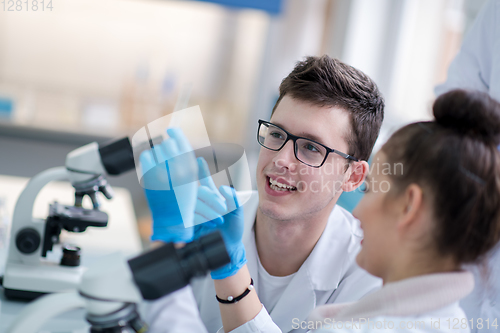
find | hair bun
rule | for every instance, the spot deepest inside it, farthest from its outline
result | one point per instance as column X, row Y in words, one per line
column 471, row 113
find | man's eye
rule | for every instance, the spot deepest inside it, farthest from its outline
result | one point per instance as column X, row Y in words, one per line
column 311, row 148
column 276, row 135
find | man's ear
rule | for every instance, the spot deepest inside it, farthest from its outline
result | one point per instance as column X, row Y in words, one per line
column 356, row 172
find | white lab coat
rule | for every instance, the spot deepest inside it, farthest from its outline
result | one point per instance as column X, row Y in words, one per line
column 174, row 313
column 477, row 66
column 427, row 303
column 329, row 275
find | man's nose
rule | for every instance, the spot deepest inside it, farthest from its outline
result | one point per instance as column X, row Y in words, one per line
column 285, row 158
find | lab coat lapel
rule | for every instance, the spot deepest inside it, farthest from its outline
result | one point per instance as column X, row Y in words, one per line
column 299, row 298
column 299, row 293
column 335, row 250
column 322, row 270
column 303, row 298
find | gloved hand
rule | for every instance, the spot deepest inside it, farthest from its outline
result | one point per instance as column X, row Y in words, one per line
column 220, row 211
column 170, row 187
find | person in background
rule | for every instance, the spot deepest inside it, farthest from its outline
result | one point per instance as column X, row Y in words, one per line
column 296, row 243
column 477, row 66
column 421, row 223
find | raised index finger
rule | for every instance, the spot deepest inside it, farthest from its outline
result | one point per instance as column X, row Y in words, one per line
column 205, row 176
column 182, row 142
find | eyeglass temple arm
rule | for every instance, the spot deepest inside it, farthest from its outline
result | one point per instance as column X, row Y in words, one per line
column 349, row 157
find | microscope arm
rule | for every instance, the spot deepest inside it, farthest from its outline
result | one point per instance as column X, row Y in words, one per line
column 82, row 164
column 34, row 315
column 24, row 207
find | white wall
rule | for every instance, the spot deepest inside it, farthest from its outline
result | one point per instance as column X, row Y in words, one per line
column 405, row 46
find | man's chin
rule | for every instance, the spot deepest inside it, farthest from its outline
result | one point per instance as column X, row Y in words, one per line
column 274, row 211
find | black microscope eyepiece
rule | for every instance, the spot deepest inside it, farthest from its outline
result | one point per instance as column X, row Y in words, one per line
column 167, row 269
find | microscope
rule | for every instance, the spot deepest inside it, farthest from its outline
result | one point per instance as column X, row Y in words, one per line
column 111, row 288
column 28, row 273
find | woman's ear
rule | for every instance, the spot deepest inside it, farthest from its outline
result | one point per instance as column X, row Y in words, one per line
column 356, row 174
column 411, row 206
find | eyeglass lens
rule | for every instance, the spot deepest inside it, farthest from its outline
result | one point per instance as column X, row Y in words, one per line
column 306, row 151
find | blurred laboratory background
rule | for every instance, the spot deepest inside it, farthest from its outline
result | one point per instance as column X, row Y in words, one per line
column 93, row 70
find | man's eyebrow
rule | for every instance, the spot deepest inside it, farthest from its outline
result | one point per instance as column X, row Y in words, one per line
column 310, row 136
column 302, row 134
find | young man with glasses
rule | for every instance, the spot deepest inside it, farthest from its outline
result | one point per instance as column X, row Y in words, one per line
column 300, row 247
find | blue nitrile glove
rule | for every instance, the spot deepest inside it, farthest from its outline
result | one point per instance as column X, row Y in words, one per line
column 220, row 210
column 170, row 187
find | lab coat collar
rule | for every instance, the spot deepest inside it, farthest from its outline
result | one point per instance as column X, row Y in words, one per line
column 420, row 294
column 335, row 250
column 338, row 244
column 299, row 292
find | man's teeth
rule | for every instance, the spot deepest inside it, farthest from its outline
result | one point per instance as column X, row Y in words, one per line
column 277, row 186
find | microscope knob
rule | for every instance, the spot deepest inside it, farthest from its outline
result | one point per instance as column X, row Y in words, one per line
column 107, row 191
column 28, row 240
column 71, row 256
column 95, row 199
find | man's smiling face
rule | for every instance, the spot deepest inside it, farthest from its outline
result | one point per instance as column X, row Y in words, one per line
column 289, row 189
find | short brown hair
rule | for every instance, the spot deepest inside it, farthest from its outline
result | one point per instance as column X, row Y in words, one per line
column 456, row 162
column 325, row 81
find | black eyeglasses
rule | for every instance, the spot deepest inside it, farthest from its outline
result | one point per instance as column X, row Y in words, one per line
column 307, row 151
